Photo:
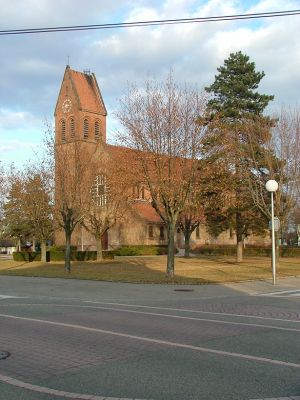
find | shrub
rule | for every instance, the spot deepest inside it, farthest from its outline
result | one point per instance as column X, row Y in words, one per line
column 59, row 255
column 141, row 250
column 26, row 256
column 290, row 251
column 61, row 248
column 216, row 250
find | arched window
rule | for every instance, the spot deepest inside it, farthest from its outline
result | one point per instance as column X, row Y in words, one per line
column 97, row 130
column 72, row 128
column 85, row 128
column 138, row 192
column 100, row 191
column 63, row 130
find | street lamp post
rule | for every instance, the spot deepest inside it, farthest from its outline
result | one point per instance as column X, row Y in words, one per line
column 271, row 187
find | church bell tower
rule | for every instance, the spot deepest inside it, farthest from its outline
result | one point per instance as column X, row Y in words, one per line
column 80, row 113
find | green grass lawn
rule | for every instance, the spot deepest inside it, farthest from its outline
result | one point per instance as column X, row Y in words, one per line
column 151, row 269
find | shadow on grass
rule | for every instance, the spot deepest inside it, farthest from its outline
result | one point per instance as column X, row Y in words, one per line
column 211, row 269
column 17, row 266
column 134, row 271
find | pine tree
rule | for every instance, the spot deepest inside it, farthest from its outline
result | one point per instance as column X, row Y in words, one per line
column 234, row 89
column 235, row 103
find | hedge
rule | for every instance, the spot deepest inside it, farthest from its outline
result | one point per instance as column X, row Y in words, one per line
column 27, row 256
column 290, row 251
column 248, row 251
column 141, row 250
column 59, row 255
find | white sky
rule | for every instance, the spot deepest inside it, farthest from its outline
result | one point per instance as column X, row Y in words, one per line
column 32, row 66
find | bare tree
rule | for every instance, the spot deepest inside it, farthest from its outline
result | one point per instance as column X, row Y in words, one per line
column 192, row 216
column 160, row 124
column 74, row 174
column 108, row 200
column 3, row 193
column 279, row 160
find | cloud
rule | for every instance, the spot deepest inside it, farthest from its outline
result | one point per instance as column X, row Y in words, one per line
column 12, row 120
column 17, row 14
column 195, row 51
column 14, row 145
column 33, row 66
column 17, row 151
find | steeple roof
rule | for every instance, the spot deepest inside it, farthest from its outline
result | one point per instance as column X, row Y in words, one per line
column 86, row 89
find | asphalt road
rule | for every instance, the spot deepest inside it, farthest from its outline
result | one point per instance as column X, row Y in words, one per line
column 100, row 340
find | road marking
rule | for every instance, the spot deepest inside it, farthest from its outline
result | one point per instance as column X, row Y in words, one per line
column 193, row 311
column 183, row 310
column 158, row 341
column 281, row 398
column 282, row 293
column 161, row 315
column 3, row 296
column 54, row 392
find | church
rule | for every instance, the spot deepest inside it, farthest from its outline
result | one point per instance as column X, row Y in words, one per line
column 80, row 116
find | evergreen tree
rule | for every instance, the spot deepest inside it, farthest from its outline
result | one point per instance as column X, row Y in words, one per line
column 236, row 103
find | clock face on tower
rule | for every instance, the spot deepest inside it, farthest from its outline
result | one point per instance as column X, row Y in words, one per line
column 66, row 106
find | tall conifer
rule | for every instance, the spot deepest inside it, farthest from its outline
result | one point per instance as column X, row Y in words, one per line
column 235, row 102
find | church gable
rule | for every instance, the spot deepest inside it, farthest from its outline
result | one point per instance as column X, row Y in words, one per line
column 80, row 113
column 88, row 92
column 83, row 91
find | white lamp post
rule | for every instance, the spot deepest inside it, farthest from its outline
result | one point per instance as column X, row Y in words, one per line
column 271, row 187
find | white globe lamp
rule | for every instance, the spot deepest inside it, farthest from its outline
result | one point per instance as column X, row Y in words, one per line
column 271, row 187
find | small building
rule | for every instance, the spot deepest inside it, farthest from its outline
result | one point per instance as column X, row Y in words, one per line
column 7, row 246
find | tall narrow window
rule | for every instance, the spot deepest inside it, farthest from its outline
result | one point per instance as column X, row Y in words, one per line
column 150, row 231
column 198, row 232
column 136, row 192
column 161, row 233
column 99, row 191
column 85, row 128
column 97, row 130
column 72, row 128
column 63, row 130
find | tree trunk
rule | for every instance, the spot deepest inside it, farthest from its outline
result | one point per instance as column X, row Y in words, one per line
column 171, row 249
column 19, row 244
column 187, row 237
column 99, row 248
column 43, row 250
column 239, row 238
column 239, row 251
column 68, row 252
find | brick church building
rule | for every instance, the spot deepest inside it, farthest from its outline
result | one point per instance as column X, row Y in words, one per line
column 80, row 116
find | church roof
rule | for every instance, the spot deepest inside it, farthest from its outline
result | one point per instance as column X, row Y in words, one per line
column 146, row 212
column 85, row 87
column 88, row 91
